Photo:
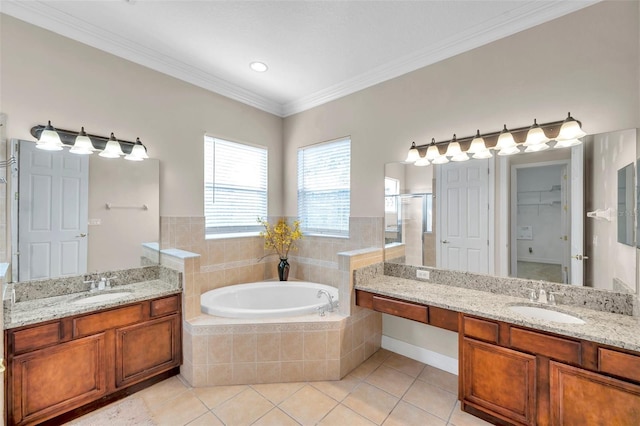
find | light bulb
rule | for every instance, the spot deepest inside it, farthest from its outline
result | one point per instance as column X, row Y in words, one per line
column 82, row 145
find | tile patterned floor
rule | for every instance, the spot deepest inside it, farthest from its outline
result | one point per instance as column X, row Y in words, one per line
column 388, row 389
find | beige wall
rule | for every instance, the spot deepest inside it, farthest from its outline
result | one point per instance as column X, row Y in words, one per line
column 45, row 76
column 116, row 243
column 611, row 152
column 586, row 63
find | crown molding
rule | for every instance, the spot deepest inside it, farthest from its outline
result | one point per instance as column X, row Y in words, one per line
column 521, row 18
column 44, row 15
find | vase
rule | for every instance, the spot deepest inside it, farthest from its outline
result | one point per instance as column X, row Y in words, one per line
column 283, row 269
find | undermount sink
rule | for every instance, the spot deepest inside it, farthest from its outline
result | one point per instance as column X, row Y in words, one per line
column 104, row 297
column 542, row 313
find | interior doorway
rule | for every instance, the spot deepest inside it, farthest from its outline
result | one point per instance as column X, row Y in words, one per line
column 540, row 232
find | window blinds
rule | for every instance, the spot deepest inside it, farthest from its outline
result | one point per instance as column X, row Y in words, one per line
column 235, row 186
column 324, row 179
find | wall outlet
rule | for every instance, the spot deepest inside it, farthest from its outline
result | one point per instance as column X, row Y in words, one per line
column 422, row 274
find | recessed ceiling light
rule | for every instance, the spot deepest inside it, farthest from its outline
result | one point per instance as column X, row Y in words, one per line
column 258, row 66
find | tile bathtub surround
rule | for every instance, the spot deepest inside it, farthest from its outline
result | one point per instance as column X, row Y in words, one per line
column 39, row 289
column 220, row 351
column 590, row 298
column 228, row 261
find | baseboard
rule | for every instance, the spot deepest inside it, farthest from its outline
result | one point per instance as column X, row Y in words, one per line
column 426, row 356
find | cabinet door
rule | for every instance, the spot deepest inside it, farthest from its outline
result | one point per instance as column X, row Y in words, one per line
column 580, row 397
column 142, row 350
column 499, row 381
column 76, row 370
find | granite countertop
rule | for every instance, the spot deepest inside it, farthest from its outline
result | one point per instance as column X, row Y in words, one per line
column 49, row 308
column 602, row 327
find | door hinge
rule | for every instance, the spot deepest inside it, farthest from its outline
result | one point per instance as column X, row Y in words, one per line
column 16, row 196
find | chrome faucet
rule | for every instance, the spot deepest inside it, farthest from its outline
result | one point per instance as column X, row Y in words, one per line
column 329, row 297
column 542, row 297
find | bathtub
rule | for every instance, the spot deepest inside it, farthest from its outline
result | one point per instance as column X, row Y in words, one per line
column 267, row 299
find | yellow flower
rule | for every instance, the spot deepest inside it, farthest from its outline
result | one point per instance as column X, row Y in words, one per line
column 280, row 237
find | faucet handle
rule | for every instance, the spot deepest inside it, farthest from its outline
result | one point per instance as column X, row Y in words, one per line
column 533, row 294
column 552, row 297
column 542, row 296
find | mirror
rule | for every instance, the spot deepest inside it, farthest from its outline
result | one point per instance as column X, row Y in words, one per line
column 626, row 192
column 77, row 214
column 552, row 216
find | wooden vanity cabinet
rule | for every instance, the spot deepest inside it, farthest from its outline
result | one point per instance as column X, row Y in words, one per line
column 513, row 375
column 438, row 317
column 88, row 360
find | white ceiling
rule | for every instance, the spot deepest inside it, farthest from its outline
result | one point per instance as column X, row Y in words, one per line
column 316, row 51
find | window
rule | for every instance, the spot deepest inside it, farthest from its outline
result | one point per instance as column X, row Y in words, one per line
column 235, row 186
column 324, row 195
column 391, row 191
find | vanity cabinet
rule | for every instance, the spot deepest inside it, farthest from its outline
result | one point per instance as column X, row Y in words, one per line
column 47, row 381
column 499, row 380
column 142, row 350
column 85, row 361
column 514, row 375
column 437, row 317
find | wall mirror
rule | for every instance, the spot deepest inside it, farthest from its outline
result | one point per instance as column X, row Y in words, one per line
column 74, row 214
column 626, row 193
column 555, row 210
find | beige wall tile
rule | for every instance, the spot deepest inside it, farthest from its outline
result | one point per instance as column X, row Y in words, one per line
column 218, row 374
column 268, row 347
column 244, row 347
column 292, row 371
column 291, row 346
column 244, row 372
column 220, row 348
column 268, row 372
column 315, row 345
column 315, row 370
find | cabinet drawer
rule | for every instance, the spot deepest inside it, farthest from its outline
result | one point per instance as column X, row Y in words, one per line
column 619, row 364
column 168, row 305
column 481, row 329
column 401, row 309
column 36, row 337
column 95, row 323
column 443, row 318
column 364, row 299
column 550, row 346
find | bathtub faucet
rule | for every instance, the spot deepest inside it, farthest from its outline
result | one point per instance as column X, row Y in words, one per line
column 326, row 293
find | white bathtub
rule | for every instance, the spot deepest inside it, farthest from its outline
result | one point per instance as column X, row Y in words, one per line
column 268, row 299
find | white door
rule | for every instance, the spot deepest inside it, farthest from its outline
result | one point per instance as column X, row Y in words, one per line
column 576, row 268
column 464, row 216
column 52, row 213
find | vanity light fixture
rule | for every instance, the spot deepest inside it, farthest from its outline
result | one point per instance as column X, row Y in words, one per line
column 506, row 144
column 479, row 148
column 534, row 138
column 432, row 151
column 570, row 129
column 138, row 152
column 81, row 143
column 535, row 135
column 49, row 139
column 413, row 155
column 112, row 150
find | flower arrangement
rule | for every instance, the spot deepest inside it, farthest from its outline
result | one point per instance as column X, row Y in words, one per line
column 281, row 237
